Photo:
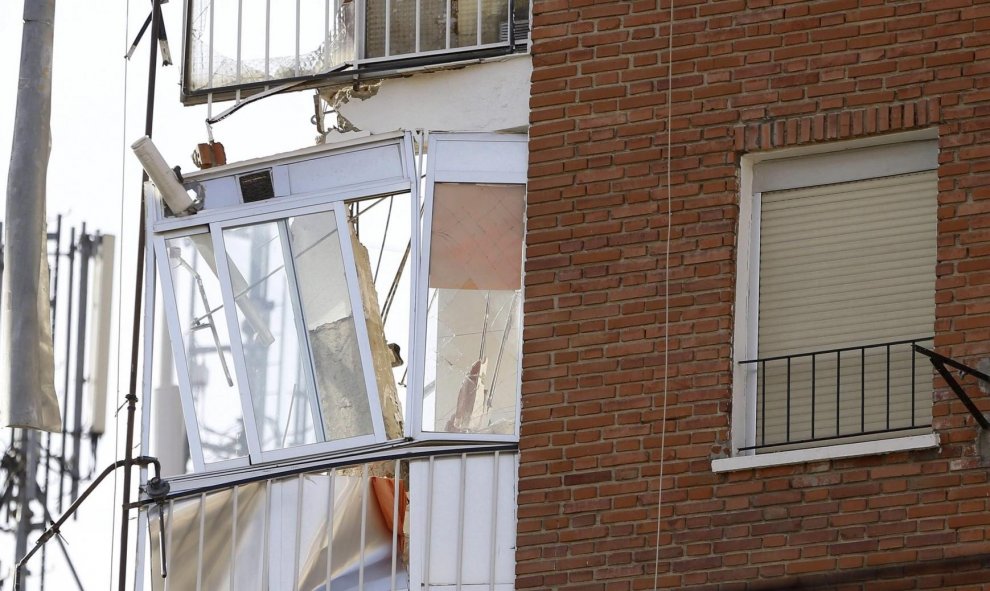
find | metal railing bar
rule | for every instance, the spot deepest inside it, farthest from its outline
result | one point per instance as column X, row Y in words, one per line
column 862, row 389
column 940, row 362
column 913, row 373
column 388, row 28
column 266, row 539
column 418, row 19
column 839, row 350
column 449, row 26
column 429, row 524
column 838, row 391
column 411, row 453
column 494, row 524
column 814, row 359
column 460, row 524
column 846, row 436
column 240, row 22
column 199, row 548
column 168, row 542
column 763, row 435
column 364, row 523
column 233, row 538
column 212, row 24
column 268, row 40
column 299, row 521
column 298, row 34
column 788, row 399
column 396, row 522
column 479, row 24
column 330, row 517
column 888, row 388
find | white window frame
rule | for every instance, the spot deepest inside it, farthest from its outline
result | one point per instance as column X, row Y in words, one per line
column 283, row 205
column 745, row 328
column 475, row 162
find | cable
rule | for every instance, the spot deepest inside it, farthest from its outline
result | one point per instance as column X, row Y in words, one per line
column 666, row 293
column 120, row 281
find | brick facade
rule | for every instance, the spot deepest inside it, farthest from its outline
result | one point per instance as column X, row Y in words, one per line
column 747, row 77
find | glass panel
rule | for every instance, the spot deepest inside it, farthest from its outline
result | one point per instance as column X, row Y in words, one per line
column 307, row 311
column 206, row 341
column 281, row 390
column 167, row 438
column 432, row 25
column 274, row 45
column 330, row 327
column 475, row 292
column 493, row 19
column 382, row 245
column 374, row 15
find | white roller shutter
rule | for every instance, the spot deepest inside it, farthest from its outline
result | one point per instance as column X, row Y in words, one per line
column 845, row 265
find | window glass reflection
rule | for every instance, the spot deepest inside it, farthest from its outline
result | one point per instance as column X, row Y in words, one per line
column 206, row 341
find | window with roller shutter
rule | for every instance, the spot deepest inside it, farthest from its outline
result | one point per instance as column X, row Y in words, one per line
column 840, row 286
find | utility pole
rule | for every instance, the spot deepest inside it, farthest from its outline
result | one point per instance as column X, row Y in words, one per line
column 26, row 403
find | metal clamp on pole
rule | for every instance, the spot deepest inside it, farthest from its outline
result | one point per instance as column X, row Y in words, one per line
column 941, row 364
column 156, row 486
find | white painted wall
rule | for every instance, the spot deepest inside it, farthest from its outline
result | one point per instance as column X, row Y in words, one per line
column 490, row 96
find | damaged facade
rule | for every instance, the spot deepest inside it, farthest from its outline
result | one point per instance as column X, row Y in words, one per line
column 382, row 388
column 344, row 321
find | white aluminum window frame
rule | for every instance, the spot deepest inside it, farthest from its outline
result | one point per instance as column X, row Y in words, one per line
column 488, row 158
column 745, row 338
column 350, row 270
column 474, row 164
column 214, row 221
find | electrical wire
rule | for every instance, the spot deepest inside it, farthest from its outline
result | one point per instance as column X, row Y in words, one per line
column 120, row 282
column 666, row 293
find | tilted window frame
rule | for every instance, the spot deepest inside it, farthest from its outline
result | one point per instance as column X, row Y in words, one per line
column 746, row 322
column 476, row 158
column 284, row 204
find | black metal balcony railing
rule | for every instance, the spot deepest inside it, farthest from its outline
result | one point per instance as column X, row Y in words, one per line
column 811, row 398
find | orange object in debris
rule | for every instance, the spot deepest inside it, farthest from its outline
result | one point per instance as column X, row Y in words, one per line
column 384, row 489
column 209, row 155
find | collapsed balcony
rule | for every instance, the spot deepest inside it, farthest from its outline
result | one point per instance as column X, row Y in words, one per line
column 334, row 323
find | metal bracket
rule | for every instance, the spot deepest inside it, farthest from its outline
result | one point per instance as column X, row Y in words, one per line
column 942, row 365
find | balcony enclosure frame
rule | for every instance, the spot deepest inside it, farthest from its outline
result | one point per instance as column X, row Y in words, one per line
column 233, row 48
column 364, row 169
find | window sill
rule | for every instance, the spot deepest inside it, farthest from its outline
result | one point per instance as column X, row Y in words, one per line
column 832, row 452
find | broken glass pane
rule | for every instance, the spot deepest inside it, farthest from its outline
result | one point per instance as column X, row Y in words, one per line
column 475, row 291
column 206, row 341
column 232, row 42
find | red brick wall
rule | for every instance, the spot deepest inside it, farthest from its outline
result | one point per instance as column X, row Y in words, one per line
column 748, row 76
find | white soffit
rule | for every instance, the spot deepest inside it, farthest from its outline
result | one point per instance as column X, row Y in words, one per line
column 491, row 96
column 845, row 166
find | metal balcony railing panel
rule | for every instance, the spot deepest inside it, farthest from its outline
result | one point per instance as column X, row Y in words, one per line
column 234, row 45
column 377, row 526
column 840, row 395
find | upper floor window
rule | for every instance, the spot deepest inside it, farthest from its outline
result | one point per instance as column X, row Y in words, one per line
column 232, row 45
column 337, row 308
column 836, row 282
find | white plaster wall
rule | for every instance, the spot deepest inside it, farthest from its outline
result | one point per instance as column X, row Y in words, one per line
column 490, row 96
